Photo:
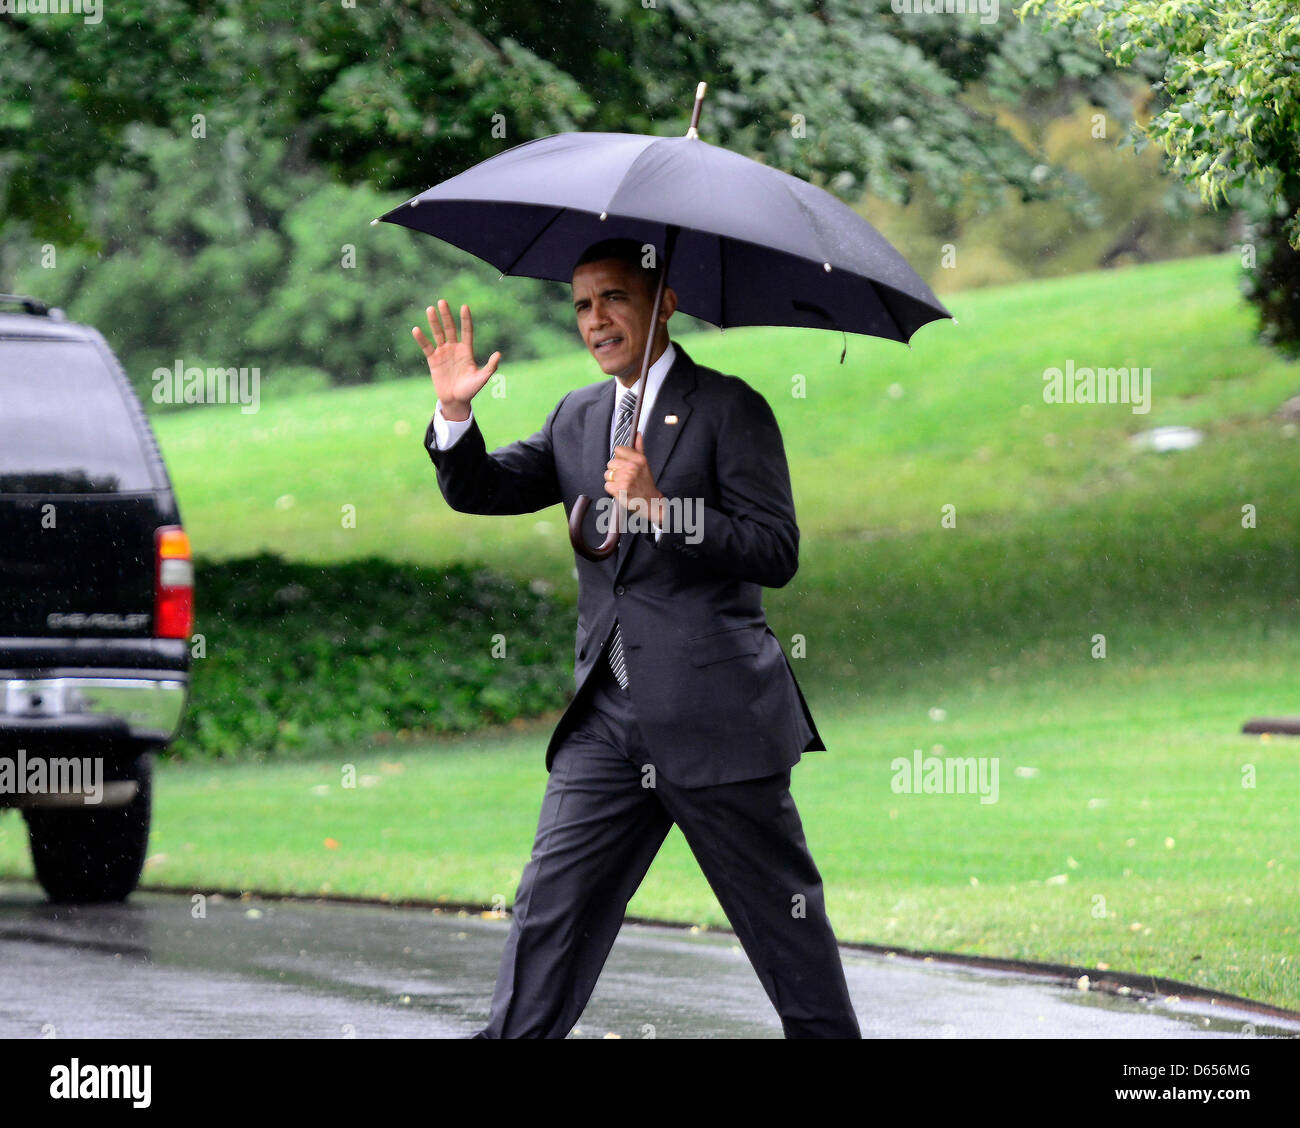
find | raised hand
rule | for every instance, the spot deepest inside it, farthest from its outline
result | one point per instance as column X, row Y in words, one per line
column 456, row 376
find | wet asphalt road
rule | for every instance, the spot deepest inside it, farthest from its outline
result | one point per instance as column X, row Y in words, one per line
column 148, row 969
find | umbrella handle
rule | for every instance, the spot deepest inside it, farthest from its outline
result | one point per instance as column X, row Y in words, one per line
column 609, row 545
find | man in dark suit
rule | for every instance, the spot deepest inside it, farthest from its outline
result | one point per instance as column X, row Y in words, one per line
column 686, row 708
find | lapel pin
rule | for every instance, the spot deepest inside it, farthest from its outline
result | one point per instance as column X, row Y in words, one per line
column 670, row 419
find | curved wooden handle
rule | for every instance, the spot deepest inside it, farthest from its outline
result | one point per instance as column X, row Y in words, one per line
column 580, row 546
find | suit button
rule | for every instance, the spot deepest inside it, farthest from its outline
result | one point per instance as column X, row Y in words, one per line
column 619, row 590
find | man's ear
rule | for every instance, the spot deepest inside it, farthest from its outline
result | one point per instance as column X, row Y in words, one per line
column 668, row 306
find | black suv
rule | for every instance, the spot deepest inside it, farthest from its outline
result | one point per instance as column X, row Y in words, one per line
column 96, row 604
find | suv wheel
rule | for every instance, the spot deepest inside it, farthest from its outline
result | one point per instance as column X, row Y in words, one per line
column 94, row 855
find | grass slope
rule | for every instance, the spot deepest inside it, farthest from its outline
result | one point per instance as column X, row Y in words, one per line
column 1140, row 831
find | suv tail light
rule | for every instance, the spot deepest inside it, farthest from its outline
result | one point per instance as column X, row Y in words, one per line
column 173, row 598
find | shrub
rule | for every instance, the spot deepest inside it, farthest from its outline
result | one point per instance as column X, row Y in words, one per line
column 299, row 657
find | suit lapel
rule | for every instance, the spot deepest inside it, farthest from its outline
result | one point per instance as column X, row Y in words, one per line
column 661, row 437
column 595, row 442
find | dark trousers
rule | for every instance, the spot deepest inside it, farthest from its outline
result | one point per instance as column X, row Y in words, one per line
column 599, row 830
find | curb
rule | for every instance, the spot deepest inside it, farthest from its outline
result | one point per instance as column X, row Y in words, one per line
column 1122, row 983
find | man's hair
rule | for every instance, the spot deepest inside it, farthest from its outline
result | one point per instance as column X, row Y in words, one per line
column 624, row 250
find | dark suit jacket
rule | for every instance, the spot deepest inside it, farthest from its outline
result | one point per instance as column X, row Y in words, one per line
column 713, row 693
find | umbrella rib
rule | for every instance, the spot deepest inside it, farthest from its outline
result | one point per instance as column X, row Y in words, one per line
column 875, row 286
column 902, row 333
column 722, row 283
column 811, row 217
column 627, row 177
column 533, row 241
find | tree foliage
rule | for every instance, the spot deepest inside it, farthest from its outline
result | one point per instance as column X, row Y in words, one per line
column 1229, row 77
column 402, row 94
column 239, row 259
column 179, row 155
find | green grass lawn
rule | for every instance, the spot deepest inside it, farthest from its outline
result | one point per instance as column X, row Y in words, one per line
column 1124, row 831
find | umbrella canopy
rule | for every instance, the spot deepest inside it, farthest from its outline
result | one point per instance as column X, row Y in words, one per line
column 756, row 245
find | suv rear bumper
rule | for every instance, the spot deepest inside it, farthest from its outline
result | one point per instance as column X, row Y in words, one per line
column 144, row 705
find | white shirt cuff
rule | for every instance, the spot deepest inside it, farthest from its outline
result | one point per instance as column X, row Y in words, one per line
column 447, row 431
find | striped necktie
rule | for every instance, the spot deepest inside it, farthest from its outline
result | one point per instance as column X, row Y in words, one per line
column 622, row 437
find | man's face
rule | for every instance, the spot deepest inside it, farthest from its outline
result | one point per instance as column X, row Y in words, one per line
column 613, row 304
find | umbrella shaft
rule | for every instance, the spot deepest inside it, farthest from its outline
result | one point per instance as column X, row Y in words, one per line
column 670, row 240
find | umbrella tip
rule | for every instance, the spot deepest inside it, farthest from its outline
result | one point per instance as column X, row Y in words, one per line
column 373, row 222
column 692, row 132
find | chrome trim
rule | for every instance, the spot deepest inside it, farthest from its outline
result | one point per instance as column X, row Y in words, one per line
column 150, row 707
column 116, row 793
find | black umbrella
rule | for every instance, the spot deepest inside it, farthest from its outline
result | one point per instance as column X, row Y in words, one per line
column 746, row 244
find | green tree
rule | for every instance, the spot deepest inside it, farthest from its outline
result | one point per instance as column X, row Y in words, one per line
column 404, row 91
column 402, row 94
column 1229, row 123
column 177, row 153
column 237, row 259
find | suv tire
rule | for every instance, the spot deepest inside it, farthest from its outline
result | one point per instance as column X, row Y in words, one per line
column 85, row 856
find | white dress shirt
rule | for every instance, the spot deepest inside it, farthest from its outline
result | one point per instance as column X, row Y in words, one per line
column 446, row 432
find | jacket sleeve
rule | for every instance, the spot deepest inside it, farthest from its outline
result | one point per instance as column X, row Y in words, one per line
column 518, row 478
column 751, row 535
